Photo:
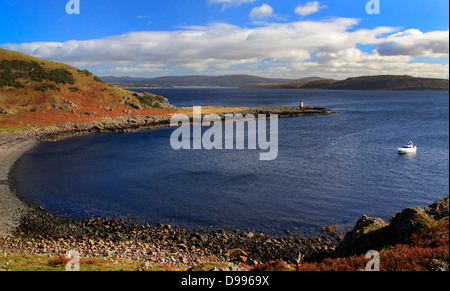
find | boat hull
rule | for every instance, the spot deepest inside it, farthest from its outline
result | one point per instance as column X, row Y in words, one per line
column 407, row 150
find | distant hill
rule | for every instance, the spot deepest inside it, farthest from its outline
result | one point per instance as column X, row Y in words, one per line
column 40, row 92
column 382, row 82
column 202, row 81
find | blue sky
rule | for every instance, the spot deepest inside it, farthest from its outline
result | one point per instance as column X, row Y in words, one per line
column 178, row 37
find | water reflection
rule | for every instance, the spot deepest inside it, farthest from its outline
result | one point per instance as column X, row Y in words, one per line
column 408, row 156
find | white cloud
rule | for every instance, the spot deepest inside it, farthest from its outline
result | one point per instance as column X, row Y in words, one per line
column 263, row 11
column 326, row 48
column 413, row 42
column 309, row 8
column 139, row 68
column 230, row 3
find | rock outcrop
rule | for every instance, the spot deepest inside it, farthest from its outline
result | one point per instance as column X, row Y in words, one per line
column 375, row 234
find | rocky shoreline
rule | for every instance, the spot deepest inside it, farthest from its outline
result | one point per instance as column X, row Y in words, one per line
column 42, row 233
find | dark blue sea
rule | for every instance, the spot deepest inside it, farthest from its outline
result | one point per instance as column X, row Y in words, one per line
column 330, row 169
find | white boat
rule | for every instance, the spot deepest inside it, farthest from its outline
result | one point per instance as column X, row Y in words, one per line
column 407, row 149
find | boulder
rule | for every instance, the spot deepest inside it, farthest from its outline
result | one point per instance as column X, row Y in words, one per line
column 439, row 209
column 409, row 221
column 6, row 111
column 363, row 237
column 135, row 105
column 67, row 105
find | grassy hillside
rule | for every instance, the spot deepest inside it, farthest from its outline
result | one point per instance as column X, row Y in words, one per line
column 40, row 92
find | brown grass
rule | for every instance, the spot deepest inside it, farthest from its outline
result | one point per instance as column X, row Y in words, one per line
column 277, row 266
column 63, row 261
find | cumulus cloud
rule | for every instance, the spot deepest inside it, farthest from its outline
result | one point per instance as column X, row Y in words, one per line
column 413, row 42
column 218, row 43
column 309, row 8
column 327, row 48
column 263, row 11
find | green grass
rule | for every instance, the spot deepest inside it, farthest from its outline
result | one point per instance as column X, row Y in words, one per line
column 21, row 262
column 45, row 263
column 14, row 129
column 11, row 71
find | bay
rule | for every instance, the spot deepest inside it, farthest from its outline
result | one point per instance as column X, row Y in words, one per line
column 330, row 169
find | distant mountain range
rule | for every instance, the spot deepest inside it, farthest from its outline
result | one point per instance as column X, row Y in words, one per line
column 381, row 82
column 203, row 81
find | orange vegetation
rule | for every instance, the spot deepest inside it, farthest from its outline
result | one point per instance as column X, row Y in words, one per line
column 424, row 250
column 85, row 114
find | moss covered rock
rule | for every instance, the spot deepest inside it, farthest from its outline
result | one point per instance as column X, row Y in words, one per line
column 439, row 209
column 364, row 236
column 375, row 234
column 409, row 221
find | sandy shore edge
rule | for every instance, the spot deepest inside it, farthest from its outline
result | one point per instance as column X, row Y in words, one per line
column 11, row 207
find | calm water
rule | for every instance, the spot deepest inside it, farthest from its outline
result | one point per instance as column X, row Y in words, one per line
column 330, row 169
